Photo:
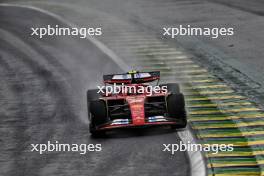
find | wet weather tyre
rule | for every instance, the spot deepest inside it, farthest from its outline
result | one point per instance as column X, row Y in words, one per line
column 98, row 112
column 176, row 109
column 173, row 88
column 98, row 115
column 95, row 133
column 93, row 95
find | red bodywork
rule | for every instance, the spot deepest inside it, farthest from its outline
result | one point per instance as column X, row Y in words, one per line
column 137, row 107
column 136, row 102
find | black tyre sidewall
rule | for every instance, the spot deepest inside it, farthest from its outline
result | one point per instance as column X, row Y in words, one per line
column 93, row 95
column 98, row 112
column 176, row 108
column 173, row 88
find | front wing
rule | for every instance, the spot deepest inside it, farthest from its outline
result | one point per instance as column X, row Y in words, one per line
column 126, row 123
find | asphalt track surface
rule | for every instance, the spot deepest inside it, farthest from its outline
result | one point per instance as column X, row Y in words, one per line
column 236, row 60
column 42, row 98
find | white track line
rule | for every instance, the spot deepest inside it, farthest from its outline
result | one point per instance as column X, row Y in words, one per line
column 198, row 166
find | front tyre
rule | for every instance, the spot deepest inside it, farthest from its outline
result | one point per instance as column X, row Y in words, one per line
column 95, row 133
column 98, row 116
column 176, row 109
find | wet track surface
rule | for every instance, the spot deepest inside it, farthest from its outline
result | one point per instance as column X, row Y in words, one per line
column 217, row 76
column 42, row 97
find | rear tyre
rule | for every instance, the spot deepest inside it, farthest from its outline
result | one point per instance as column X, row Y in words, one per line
column 173, row 88
column 93, row 95
column 176, row 109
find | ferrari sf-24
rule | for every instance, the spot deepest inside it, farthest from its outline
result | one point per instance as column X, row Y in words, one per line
column 143, row 108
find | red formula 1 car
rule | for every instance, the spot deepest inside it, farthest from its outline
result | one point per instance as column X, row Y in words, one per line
column 136, row 103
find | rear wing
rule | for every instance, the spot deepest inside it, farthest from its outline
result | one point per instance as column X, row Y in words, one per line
column 132, row 77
